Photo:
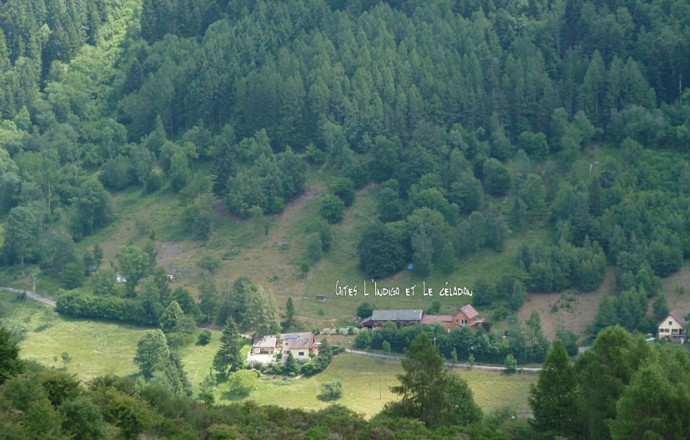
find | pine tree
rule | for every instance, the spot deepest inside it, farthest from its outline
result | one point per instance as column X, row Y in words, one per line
column 210, row 299
column 289, row 313
column 429, row 391
column 229, row 353
column 291, row 365
column 554, row 398
column 10, row 364
column 171, row 317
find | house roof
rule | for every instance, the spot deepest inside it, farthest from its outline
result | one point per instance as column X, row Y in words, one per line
column 677, row 316
column 297, row 340
column 266, row 342
column 396, row 315
column 430, row 319
column 469, row 311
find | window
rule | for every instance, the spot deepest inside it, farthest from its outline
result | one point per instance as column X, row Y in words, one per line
column 670, row 323
column 301, row 353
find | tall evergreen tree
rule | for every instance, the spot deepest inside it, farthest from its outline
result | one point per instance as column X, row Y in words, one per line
column 10, row 364
column 289, row 313
column 171, row 317
column 228, row 356
column 430, row 392
column 554, row 398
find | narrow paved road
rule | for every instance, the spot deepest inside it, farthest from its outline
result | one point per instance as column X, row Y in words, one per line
column 464, row 366
column 33, row 295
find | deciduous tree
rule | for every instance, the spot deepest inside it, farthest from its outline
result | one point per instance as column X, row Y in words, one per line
column 152, row 352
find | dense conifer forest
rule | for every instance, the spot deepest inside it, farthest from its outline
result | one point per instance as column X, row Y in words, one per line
column 471, row 123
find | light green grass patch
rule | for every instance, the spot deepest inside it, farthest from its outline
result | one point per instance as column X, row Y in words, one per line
column 367, row 385
column 197, row 359
column 96, row 348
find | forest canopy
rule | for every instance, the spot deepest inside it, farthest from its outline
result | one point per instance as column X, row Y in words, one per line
column 475, row 121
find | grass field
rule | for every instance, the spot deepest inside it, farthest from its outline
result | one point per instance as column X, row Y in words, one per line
column 677, row 290
column 99, row 348
column 367, row 385
column 96, row 348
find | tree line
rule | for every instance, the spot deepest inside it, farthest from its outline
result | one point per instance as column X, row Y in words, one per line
column 525, row 343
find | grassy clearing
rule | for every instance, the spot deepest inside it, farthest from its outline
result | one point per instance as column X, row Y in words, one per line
column 367, row 385
column 99, row 348
column 571, row 309
column 96, row 347
column 677, row 290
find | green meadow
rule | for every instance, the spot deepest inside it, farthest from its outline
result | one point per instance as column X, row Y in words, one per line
column 367, row 385
column 100, row 348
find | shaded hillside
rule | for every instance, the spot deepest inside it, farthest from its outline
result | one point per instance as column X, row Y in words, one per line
column 191, row 127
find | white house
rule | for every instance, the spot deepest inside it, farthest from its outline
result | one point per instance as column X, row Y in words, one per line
column 299, row 344
column 673, row 328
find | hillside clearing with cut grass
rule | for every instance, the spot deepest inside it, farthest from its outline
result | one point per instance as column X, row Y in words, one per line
column 367, row 385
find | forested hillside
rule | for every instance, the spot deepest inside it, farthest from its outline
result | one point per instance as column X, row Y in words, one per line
column 475, row 121
column 543, row 144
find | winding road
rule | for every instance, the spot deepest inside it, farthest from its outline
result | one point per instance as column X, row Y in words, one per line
column 33, row 295
column 463, row 366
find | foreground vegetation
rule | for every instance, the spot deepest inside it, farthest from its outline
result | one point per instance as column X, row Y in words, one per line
column 604, row 394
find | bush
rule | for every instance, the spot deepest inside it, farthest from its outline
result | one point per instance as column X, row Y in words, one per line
column 241, row 384
column 208, row 263
column 331, row 390
column 510, row 364
column 73, row 275
column 365, row 310
column 386, row 347
column 344, row 188
column 204, row 337
column 332, row 209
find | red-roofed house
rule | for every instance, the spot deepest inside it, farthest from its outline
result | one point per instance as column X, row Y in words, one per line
column 673, row 328
column 466, row 316
column 432, row 319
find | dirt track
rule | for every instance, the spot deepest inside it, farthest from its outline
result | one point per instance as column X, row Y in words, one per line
column 33, row 295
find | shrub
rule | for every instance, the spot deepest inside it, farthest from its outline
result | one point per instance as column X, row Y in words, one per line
column 331, row 390
column 204, row 337
column 386, row 347
column 241, row 384
column 208, row 263
column 510, row 363
column 344, row 188
column 332, row 208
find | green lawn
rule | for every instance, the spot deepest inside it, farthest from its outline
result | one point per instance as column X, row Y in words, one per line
column 367, row 385
column 96, row 347
column 99, row 348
